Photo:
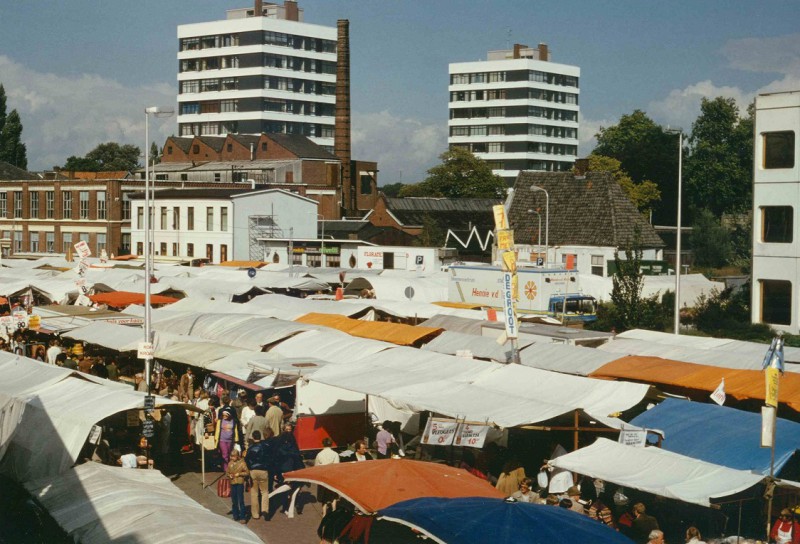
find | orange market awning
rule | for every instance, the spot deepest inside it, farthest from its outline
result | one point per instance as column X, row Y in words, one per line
column 396, row 333
column 739, row 384
column 124, row 257
column 122, row 299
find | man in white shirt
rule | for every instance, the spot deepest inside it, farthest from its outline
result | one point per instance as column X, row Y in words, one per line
column 53, row 351
column 326, row 456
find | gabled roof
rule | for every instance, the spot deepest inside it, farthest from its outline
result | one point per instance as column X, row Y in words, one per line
column 214, row 142
column 588, row 211
column 185, row 144
column 246, row 139
column 11, row 172
column 449, row 212
column 302, row 146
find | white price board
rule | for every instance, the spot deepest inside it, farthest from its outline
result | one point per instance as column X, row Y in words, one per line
column 145, row 351
column 439, row 432
column 471, row 435
column 82, row 249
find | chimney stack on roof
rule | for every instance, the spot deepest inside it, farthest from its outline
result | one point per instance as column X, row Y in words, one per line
column 341, row 142
column 258, row 10
column 290, row 8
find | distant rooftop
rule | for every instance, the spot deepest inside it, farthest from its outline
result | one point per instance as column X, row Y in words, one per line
column 520, row 51
column 288, row 11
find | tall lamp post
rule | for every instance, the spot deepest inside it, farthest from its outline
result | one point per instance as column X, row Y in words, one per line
column 156, row 112
column 546, row 223
column 539, row 243
column 677, row 317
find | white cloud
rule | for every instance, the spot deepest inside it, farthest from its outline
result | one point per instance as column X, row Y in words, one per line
column 70, row 115
column 399, row 145
column 778, row 54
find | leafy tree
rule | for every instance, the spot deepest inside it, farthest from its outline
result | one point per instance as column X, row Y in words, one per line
column 155, row 156
column 2, row 111
column 710, row 240
column 720, row 163
column 643, row 194
column 627, row 284
column 460, row 175
column 392, row 190
column 106, row 157
column 646, row 152
column 13, row 151
column 432, row 234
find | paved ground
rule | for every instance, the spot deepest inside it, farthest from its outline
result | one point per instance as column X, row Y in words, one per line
column 278, row 530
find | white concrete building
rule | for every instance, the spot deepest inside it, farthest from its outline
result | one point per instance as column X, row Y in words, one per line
column 221, row 224
column 262, row 69
column 516, row 110
column 776, row 194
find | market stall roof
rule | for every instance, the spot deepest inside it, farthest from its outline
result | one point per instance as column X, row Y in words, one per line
column 732, row 441
column 107, row 335
column 121, row 299
column 565, row 358
column 262, row 363
column 418, row 310
column 456, row 323
column 46, row 425
column 739, row 384
column 483, row 347
column 331, row 346
column 396, row 333
column 422, row 289
column 95, row 503
column 723, row 352
column 293, row 307
column 659, row 472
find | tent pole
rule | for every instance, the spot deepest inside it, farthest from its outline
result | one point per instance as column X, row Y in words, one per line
column 739, row 524
column 203, row 463
column 577, row 426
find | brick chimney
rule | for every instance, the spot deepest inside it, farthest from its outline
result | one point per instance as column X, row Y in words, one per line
column 258, row 10
column 291, row 11
column 544, row 53
column 341, row 143
column 517, row 47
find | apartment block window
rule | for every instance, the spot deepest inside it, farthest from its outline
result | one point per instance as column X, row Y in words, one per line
column 223, row 219
column 50, row 242
column 66, row 241
column 3, row 204
column 176, row 218
column 84, row 204
column 496, row 130
column 776, row 302
column 229, row 84
column 495, row 147
column 597, row 265
column 101, row 205
column 496, row 77
column 210, row 252
column 209, row 218
column 18, row 204
column 34, row 205
column 50, row 204
column 777, row 224
column 163, row 248
column 190, row 218
column 459, row 79
column 190, row 86
column 163, row 218
column 34, row 242
column 459, row 131
column 101, row 242
column 190, row 250
column 779, row 149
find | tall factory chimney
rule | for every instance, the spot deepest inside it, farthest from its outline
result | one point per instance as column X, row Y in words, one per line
column 341, row 143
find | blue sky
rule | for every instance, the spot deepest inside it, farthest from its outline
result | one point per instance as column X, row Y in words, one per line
column 81, row 72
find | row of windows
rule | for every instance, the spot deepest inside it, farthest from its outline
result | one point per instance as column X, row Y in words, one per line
column 209, row 63
column 209, row 42
column 520, row 147
column 34, row 208
column 281, row 127
column 164, row 247
column 298, row 107
column 170, row 219
column 515, row 75
column 540, row 166
column 45, row 242
column 299, row 42
column 209, row 85
column 299, row 64
column 514, row 94
column 267, row 82
column 512, row 112
column 499, row 130
column 211, row 106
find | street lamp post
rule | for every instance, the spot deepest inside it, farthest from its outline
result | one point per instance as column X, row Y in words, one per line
column 546, row 223
column 539, row 243
column 677, row 317
column 148, row 238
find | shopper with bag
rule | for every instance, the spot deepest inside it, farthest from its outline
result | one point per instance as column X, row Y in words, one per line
column 237, row 473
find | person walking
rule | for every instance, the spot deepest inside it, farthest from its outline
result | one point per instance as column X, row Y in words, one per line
column 258, row 464
column 226, row 435
column 326, row 456
column 237, row 471
column 383, row 440
column 274, row 415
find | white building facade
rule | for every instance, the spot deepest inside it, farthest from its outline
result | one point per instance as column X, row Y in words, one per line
column 254, row 73
column 516, row 110
column 776, row 196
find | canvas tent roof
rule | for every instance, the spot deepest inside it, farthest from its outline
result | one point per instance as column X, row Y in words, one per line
column 739, row 384
column 658, row 471
column 565, row 358
column 330, row 346
column 396, row 333
column 95, row 503
column 732, row 441
column 483, row 347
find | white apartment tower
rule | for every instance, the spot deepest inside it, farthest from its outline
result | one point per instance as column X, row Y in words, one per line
column 516, row 110
column 776, row 194
column 262, row 69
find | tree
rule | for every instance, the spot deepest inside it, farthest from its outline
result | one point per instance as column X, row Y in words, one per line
column 155, row 156
column 460, row 175
column 643, row 195
column 645, row 152
column 711, row 241
column 13, row 151
column 392, row 190
column 432, row 234
column 109, row 156
column 719, row 166
column 627, row 284
column 2, row 111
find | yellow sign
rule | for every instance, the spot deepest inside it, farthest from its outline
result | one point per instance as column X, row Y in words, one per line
column 34, row 322
column 509, row 261
column 772, row 375
column 530, row 290
column 500, row 220
column 505, row 239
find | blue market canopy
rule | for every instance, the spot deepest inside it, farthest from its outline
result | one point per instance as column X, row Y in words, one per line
column 719, row 435
column 476, row 520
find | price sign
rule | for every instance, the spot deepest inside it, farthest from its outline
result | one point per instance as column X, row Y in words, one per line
column 148, row 428
column 150, row 402
column 471, row 435
column 145, row 351
column 82, row 248
column 439, row 431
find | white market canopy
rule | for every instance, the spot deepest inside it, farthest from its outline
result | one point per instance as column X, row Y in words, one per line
column 659, row 472
column 565, row 358
column 95, row 503
column 483, row 347
column 331, row 346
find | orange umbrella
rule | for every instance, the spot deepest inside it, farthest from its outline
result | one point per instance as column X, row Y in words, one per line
column 372, row 485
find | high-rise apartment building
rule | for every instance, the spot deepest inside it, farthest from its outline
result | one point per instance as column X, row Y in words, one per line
column 262, row 69
column 516, row 110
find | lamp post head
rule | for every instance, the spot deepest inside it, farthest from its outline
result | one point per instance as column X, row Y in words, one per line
column 159, row 111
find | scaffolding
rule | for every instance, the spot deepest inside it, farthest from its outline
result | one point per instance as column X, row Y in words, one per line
column 261, row 226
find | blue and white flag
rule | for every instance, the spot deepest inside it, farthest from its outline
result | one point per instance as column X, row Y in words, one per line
column 774, row 356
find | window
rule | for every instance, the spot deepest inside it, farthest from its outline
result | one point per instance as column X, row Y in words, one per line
column 140, row 218
column 195, row 149
column 66, row 241
column 190, row 250
column 50, row 242
column 190, row 86
column 779, row 149
column 84, row 204
column 34, row 242
column 496, row 130
column 126, row 207
column 163, row 218
column 3, row 204
column 34, row 205
column 101, row 242
column 459, row 79
column 17, row 241
column 176, row 219
column 777, row 224
column 191, row 108
column 776, row 302
column 163, row 248
column 126, row 244
column 209, row 218
column 597, row 265
column 18, row 204
column 217, row 177
column 83, row 237
column 210, row 252
column 297, row 258
column 50, row 203
column 190, row 218
column 223, row 219
column 101, row 204
column 495, row 147
column 229, row 84
column 139, row 248
column 366, row 184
